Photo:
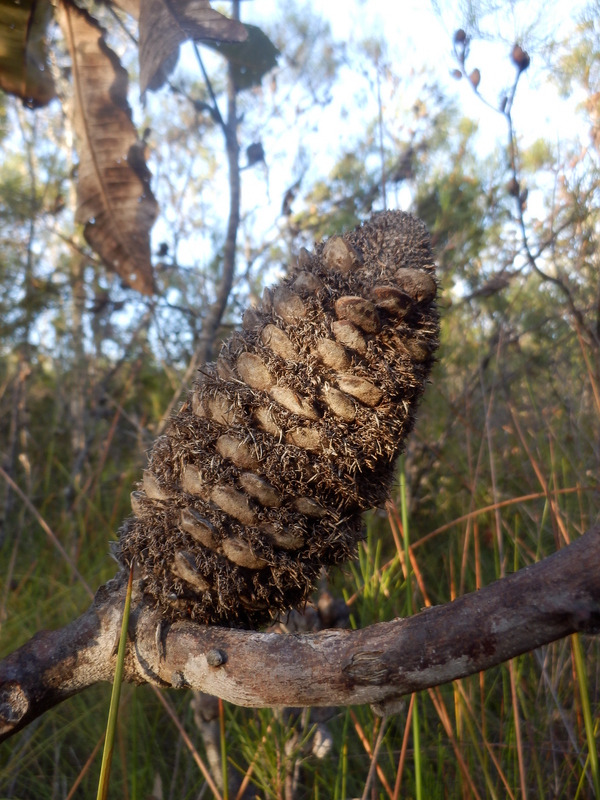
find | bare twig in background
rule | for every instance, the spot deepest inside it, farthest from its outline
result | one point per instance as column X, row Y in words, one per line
column 215, row 313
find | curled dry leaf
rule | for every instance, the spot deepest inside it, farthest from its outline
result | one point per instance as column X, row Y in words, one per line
column 114, row 200
column 24, row 68
column 249, row 60
column 166, row 25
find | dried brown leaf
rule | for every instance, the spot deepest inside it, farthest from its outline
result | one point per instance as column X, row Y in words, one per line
column 24, row 68
column 166, row 25
column 250, row 60
column 114, row 200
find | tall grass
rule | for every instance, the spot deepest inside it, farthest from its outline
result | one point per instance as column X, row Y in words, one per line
column 502, row 469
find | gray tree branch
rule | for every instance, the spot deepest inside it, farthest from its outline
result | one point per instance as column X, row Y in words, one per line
column 379, row 664
column 215, row 313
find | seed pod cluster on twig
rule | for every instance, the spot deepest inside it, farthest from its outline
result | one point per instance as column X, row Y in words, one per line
column 261, row 478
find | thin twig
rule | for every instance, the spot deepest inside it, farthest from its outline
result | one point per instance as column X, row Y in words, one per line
column 374, row 759
column 217, row 113
column 440, row 707
column 85, row 767
column 365, row 743
column 188, row 742
column 403, row 749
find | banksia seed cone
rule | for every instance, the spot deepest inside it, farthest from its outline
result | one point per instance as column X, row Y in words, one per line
column 261, row 478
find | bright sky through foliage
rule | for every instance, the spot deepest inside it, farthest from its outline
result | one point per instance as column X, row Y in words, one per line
column 417, row 37
column 418, row 49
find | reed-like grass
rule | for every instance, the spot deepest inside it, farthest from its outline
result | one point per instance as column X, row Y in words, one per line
column 502, row 469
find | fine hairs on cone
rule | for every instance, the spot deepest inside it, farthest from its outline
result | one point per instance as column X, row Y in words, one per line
column 261, row 478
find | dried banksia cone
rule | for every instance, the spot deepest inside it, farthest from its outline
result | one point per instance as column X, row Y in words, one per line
column 261, row 478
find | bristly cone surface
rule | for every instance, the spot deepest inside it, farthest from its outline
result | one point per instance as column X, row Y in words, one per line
column 261, row 478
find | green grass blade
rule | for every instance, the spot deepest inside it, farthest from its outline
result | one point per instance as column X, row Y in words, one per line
column 409, row 602
column 344, row 769
column 587, row 712
column 111, row 725
column 585, row 766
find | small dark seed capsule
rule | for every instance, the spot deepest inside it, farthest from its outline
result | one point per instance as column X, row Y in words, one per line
column 239, row 552
column 513, row 188
column 475, row 78
column 304, row 258
column 137, row 506
column 306, row 284
column 340, row 256
column 253, row 371
column 416, row 284
column 359, row 311
column 348, row 334
column 279, row 342
column 250, row 320
column 152, row 487
column 288, row 305
column 520, row 58
column 199, row 528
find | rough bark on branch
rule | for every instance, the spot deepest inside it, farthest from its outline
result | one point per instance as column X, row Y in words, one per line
column 539, row 604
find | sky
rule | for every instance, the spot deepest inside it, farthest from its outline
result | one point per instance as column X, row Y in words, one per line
column 420, row 36
column 417, row 36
